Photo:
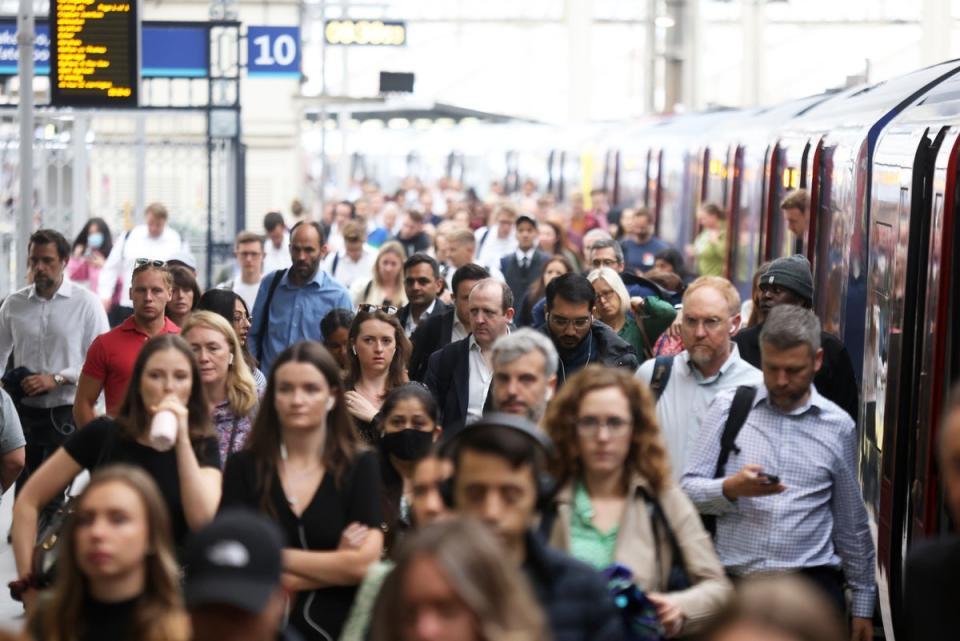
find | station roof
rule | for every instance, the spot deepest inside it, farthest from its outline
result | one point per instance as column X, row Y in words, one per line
column 388, row 108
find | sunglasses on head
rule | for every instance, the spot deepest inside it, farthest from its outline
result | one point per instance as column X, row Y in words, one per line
column 370, row 309
column 143, row 263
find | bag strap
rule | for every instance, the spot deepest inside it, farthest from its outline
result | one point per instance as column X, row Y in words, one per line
column 264, row 324
column 658, row 515
column 662, row 367
column 737, row 416
column 336, row 261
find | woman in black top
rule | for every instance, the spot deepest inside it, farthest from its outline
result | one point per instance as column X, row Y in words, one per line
column 379, row 352
column 165, row 378
column 304, row 467
column 117, row 576
column 408, row 427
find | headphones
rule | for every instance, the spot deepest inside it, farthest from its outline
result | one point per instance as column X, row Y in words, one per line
column 546, row 484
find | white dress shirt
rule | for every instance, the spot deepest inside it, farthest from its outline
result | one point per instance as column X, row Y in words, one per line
column 687, row 396
column 493, row 248
column 481, row 373
column 411, row 324
column 275, row 258
column 51, row 336
column 138, row 243
column 349, row 270
column 459, row 331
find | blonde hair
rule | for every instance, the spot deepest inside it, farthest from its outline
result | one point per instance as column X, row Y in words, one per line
column 395, row 248
column 722, row 285
column 612, row 278
column 159, row 614
column 241, row 388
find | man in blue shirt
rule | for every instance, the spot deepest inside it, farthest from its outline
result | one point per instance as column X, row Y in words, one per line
column 290, row 303
column 640, row 246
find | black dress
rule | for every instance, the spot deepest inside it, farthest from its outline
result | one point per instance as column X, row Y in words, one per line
column 318, row 615
column 100, row 443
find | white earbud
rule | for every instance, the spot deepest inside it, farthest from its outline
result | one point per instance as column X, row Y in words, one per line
column 231, row 360
column 330, row 404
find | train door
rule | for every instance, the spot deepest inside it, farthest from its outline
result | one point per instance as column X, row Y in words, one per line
column 744, row 236
column 828, row 243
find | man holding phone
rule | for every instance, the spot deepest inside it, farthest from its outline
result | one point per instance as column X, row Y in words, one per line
column 789, row 500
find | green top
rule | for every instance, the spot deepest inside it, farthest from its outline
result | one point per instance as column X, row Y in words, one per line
column 358, row 623
column 658, row 314
column 711, row 254
column 587, row 543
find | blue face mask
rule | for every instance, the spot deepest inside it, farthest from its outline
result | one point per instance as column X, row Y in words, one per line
column 95, row 240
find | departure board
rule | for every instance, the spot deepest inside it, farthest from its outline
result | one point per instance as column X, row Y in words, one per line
column 95, row 46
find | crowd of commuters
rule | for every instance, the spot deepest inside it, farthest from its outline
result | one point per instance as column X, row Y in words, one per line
column 417, row 418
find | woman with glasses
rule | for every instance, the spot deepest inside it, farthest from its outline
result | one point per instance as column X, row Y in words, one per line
column 185, row 295
column 618, row 503
column 227, row 381
column 613, row 308
column 385, row 287
column 231, row 306
column 379, row 351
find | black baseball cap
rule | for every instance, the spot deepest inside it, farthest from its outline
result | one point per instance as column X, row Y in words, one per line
column 524, row 218
column 236, row 560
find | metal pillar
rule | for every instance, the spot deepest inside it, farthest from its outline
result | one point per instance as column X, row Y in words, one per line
column 579, row 19
column 25, row 37
column 79, row 211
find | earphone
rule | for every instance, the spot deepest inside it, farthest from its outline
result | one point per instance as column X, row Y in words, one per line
column 546, row 484
column 330, row 404
column 230, row 362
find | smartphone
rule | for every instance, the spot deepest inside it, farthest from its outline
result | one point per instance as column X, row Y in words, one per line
column 772, row 479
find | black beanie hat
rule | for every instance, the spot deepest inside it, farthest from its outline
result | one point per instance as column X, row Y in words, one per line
column 793, row 273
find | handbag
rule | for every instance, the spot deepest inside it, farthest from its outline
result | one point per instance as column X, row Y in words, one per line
column 46, row 551
column 637, row 611
column 677, row 579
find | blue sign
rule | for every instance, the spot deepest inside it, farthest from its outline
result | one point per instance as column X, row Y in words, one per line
column 9, row 51
column 175, row 51
column 273, row 51
column 168, row 49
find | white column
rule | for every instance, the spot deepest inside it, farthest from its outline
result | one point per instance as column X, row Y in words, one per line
column 751, row 70
column 650, row 59
column 579, row 19
column 936, row 21
column 79, row 212
column 25, row 36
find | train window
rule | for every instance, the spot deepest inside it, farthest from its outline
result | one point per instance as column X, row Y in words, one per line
column 883, row 243
column 832, row 236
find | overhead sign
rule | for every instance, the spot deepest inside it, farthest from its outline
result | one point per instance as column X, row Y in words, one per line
column 368, row 33
column 168, row 49
column 273, row 51
column 10, row 52
column 96, row 53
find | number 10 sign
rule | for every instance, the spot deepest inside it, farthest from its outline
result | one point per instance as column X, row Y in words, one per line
column 273, row 51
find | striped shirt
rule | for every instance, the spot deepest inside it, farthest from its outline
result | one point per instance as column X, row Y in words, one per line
column 819, row 520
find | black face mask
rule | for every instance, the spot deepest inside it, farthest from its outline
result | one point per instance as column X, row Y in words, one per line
column 407, row 445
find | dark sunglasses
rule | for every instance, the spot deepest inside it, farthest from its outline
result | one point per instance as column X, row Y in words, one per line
column 143, row 263
column 370, row 309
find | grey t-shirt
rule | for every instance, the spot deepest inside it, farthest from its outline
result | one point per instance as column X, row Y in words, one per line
column 11, row 433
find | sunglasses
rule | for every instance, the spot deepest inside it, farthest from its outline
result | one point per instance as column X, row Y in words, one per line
column 143, row 263
column 370, row 309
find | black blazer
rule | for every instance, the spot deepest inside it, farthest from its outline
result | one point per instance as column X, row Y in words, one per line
column 448, row 378
column 431, row 334
column 403, row 314
column 519, row 280
column 933, row 590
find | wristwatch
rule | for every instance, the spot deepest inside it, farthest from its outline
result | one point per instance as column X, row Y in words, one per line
column 58, row 379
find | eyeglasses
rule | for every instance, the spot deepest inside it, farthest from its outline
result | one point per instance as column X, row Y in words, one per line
column 590, row 425
column 143, row 263
column 710, row 324
column 352, row 239
column 423, row 282
column 604, row 262
column 237, row 318
column 370, row 309
column 579, row 323
column 606, row 295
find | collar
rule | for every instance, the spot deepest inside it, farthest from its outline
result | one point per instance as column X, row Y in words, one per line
column 319, row 278
column 472, row 344
column 526, row 254
column 637, row 485
column 456, row 321
column 429, row 310
column 732, row 360
column 815, row 402
column 65, row 290
column 169, row 327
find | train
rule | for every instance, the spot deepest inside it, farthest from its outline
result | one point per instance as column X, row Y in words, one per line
column 880, row 163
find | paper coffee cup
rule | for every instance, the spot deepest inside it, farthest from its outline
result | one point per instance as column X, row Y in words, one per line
column 163, row 430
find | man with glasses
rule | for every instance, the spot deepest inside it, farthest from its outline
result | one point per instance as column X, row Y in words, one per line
column 422, row 283
column 578, row 337
column 687, row 383
column 291, row 301
column 111, row 356
column 248, row 250
column 460, row 374
column 356, row 258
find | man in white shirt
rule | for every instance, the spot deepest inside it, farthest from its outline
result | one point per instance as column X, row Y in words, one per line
column 277, row 247
column 154, row 240
column 343, row 212
column 48, row 327
column 498, row 239
column 355, row 260
column 459, row 375
column 248, row 250
column 687, row 383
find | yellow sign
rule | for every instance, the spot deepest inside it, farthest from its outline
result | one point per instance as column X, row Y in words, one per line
column 369, row 33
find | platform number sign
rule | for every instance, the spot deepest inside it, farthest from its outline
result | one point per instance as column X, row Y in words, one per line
column 273, row 51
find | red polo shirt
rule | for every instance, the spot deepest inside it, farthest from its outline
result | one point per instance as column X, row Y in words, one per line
column 111, row 357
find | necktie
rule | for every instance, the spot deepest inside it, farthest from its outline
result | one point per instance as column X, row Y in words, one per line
column 524, row 263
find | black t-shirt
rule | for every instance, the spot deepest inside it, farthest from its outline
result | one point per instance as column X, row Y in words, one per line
column 317, row 615
column 86, row 447
column 107, row 621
